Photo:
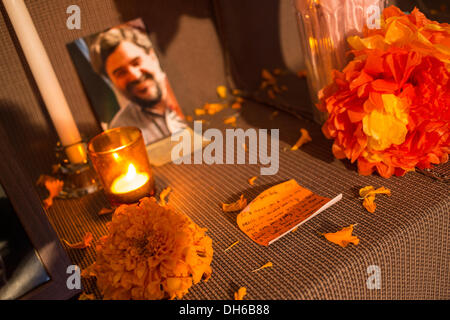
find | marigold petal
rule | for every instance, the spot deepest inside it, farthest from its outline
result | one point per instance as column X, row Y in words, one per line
column 86, row 242
column 304, row 138
column 251, row 181
column 342, row 237
column 235, row 206
column 239, row 295
column 369, row 203
column 222, row 92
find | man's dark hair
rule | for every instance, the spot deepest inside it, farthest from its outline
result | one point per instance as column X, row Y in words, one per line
column 106, row 42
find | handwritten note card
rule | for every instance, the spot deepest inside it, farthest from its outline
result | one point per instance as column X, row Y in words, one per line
column 280, row 209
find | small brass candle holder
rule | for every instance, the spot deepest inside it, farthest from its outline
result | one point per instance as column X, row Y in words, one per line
column 120, row 159
column 79, row 178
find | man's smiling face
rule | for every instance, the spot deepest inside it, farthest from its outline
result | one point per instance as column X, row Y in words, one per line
column 133, row 71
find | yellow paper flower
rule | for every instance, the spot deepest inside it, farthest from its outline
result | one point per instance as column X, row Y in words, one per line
column 151, row 252
column 386, row 127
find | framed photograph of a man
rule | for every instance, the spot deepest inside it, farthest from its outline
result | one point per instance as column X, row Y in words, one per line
column 124, row 81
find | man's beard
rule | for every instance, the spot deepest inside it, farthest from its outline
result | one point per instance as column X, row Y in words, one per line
column 146, row 104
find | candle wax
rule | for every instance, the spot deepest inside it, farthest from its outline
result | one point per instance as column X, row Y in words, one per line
column 45, row 77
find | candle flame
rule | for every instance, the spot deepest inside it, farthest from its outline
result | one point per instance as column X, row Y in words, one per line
column 132, row 180
column 131, row 174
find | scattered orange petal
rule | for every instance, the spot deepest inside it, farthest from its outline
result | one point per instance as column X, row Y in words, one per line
column 276, row 89
column 230, row 121
column 232, row 245
column 55, row 168
column 273, row 115
column 267, row 265
column 263, row 85
column 43, row 178
column 189, row 118
column 86, row 242
column 266, row 75
column 213, row 108
column 368, row 194
column 85, row 296
column 105, row 211
column 236, row 105
column 277, row 71
column 302, row 73
column 200, row 112
column 342, row 237
column 222, row 92
column 369, row 203
column 239, row 295
column 236, row 92
column 271, row 94
column 284, row 88
column 304, row 138
column 54, row 187
column 163, row 195
column 252, row 180
column 382, row 190
column 363, row 192
column 235, row 206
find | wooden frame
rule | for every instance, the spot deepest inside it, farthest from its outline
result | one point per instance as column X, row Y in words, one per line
column 27, row 205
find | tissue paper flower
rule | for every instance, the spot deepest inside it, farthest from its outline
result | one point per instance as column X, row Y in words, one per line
column 151, row 252
column 408, row 31
column 389, row 110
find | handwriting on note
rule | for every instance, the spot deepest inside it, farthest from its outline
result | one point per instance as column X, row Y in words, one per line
column 280, row 209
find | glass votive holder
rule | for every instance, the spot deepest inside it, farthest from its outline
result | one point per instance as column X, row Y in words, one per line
column 120, row 159
column 324, row 27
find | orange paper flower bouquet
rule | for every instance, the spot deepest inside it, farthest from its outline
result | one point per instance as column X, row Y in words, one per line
column 389, row 109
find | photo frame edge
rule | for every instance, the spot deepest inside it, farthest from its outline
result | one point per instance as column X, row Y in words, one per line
column 34, row 219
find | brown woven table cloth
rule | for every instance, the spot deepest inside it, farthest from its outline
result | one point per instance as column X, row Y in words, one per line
column 407, row 236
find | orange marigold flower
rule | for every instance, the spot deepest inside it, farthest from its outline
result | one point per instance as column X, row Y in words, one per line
column 151, row 252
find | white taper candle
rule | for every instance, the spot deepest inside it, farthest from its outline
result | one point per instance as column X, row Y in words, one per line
column 46, row 79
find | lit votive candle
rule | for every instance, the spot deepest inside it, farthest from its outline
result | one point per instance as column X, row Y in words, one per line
column 120, row 158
